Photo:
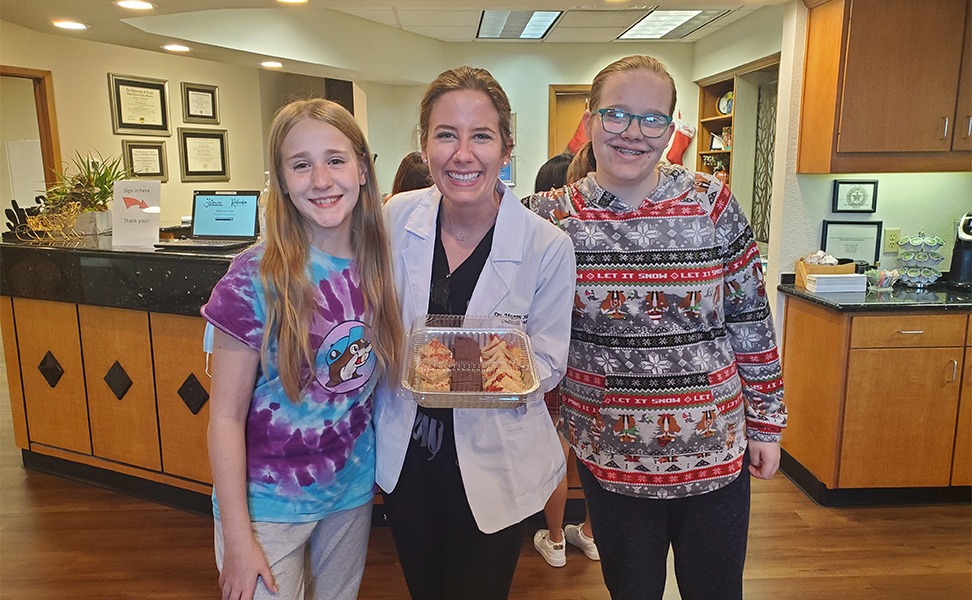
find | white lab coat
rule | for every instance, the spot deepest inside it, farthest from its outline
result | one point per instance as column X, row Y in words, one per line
column 510, row 459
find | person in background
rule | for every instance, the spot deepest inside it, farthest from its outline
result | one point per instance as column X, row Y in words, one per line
column 673, row 395
column 460, row 482
column 549, row 542
column 412, row 174
column 305, row 323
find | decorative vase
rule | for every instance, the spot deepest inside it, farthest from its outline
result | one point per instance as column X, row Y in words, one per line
column 94, row 223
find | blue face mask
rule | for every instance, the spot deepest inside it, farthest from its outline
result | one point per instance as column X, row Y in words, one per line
column 208, row 338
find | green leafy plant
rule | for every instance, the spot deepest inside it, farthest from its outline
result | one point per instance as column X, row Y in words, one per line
column 715, row 162
column 92, row 184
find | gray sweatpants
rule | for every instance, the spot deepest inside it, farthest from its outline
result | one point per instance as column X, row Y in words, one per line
column 321, row 560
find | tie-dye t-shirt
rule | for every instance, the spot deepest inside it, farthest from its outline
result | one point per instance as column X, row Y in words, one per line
column 317, row 456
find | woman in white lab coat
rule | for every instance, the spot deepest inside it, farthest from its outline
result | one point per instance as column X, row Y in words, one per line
column 459, row 482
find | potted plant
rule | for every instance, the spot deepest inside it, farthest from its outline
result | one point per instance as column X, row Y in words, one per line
column 90, row 181
column 718, row 165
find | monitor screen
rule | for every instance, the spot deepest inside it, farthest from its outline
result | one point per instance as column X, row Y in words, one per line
column 225, row 214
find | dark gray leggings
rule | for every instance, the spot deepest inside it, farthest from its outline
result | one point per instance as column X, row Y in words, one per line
column 707, row 533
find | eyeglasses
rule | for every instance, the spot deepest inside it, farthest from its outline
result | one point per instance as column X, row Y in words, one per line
column 616, row 121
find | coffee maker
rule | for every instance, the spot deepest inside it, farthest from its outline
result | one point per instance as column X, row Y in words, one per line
column 960, row 271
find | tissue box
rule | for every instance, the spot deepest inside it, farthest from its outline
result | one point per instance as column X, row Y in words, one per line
column 803, row 269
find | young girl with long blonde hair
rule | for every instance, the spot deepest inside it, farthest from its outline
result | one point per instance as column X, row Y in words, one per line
column 306, row 322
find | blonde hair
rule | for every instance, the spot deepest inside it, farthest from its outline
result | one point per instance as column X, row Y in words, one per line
column 289, row 294
column 467, row 78
column 584, row 161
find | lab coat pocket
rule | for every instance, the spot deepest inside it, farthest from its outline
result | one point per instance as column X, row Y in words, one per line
column 532, row 450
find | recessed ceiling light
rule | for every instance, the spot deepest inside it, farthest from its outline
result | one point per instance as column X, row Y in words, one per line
column 135, row 4
column 176, row 48
column 271, row 64
column 513, row 25
column 292, row 1
column 670, row 24
column 69, row 25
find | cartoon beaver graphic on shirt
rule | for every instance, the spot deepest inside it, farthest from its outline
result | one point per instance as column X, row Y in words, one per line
column 346, row 356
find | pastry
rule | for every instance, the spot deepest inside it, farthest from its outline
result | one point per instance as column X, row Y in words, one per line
column 467, row 373
column 434, row 365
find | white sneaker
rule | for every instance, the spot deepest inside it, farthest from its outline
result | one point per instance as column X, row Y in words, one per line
column 554, row 553
column 575, row 535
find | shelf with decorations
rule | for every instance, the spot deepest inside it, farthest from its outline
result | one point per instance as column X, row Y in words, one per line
column 714, row 145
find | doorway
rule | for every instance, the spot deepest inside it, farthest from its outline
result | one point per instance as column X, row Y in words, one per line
column 567, row 106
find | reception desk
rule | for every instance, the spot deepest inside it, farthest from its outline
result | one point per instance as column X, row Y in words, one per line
column 105, row 367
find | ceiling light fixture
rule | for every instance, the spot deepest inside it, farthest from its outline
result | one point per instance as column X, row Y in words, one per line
column 69, row 25
column 176, row 48
column 516, row 25
column 670, row 24
column 292, row 1
column 135, row 4
column 271, row 64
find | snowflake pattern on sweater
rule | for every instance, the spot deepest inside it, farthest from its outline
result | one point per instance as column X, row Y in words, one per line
column 673, row 362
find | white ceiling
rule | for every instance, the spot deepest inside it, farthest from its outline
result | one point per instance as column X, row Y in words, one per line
column 447, row 20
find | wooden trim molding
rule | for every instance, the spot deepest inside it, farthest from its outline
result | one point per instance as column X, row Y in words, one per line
column 814, row 3
column 46, row 116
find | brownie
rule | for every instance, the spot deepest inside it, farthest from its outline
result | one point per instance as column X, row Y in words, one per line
column 467, row 374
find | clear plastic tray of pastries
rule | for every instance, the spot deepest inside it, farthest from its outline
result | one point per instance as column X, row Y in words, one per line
column 454, row 361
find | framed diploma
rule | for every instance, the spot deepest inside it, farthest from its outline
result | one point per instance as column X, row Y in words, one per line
column 855, row 196
column 200, row 103
column 139, row 105
column 145, row 158
column 859, row 240
column 203, row 154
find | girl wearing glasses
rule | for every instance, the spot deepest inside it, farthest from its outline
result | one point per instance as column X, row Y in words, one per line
column 673, row 394
column 459, row 483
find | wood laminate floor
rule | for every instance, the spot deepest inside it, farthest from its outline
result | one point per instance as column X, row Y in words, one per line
column 61, row 539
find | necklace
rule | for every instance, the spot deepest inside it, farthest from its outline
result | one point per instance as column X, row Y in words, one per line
column 473, row 233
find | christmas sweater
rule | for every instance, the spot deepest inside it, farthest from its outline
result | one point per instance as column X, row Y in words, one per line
column 673, row 361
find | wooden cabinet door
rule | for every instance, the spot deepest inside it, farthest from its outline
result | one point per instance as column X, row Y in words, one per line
column 899, row 417
column 962, row 461
column 117, row 350
column 48, row 342
column 900, row 77
column 182, row 386
column 962, row 136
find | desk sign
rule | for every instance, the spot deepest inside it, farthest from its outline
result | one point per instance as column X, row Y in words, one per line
column 135, row 213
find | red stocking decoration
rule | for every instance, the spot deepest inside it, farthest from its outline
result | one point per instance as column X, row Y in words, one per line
column 680, row 141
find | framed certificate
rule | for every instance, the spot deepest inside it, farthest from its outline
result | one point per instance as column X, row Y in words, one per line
column 203, row 154
column 200, row 103
column 139, row 105
column 859, row 240
column 146, row 159
column 855, row 196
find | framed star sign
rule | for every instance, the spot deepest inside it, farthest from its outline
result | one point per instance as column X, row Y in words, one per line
column 858, row 196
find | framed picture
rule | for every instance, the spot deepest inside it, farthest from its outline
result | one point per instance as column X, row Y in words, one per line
column 145, row 158
column 200, row 103
column 859, row 240
column 716, row 142
column 139, row 105
column 203, row 154
column 508, row 173
column 855, row 196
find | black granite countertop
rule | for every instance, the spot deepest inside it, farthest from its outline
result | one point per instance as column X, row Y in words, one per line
column 90, row 271
column 938, row 297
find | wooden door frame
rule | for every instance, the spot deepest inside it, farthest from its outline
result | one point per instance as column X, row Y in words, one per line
column 46, row 118
column 554, row 90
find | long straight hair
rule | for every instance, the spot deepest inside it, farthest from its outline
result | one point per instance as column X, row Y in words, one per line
column 584, row 161
column 283, row 270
